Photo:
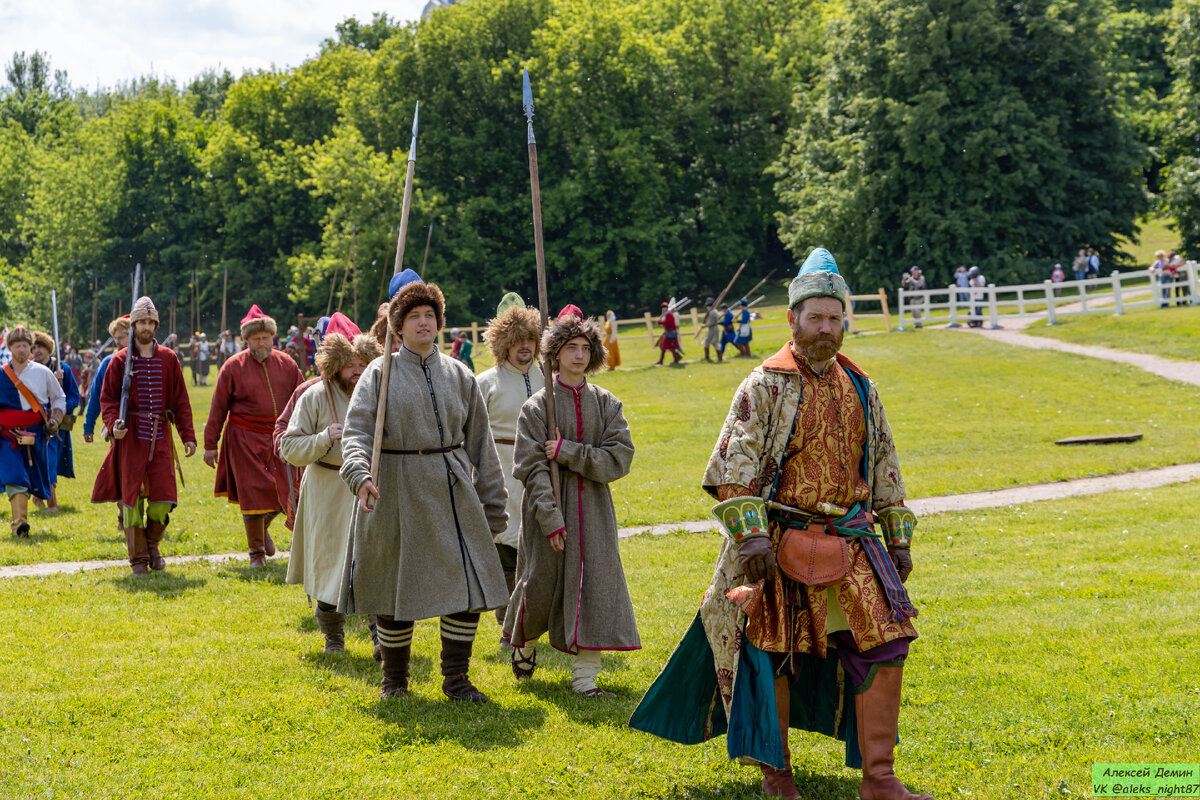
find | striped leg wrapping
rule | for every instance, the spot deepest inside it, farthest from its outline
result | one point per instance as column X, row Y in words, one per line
column 394, row 634
column 458, row 636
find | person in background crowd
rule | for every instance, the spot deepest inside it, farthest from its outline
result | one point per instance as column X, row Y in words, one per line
column 464, row 350
column 75, row 362
column 455, row 343
column 118, row 329
column 1161, row 273
column 62, row 455
column 977, row 283
column 1057, row 276
column 203, row 354
column 914, row 281
column 1093, row 263
column 1080, row 265
column 745, row 334
column 610, row 341
column 712, row 330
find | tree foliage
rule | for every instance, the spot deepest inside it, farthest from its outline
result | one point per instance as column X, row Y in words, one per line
column 942, row 133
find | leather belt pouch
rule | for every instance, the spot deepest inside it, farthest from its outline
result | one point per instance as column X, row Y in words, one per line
column 813, row 557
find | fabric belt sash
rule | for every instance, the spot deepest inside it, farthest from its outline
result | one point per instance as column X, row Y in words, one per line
column 333, row 467
column 252, row 424
column 429, row 451
column 509, row 442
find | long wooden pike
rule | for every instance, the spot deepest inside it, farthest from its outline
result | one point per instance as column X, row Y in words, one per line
column 539, row 254
column 425, row 260
column 721, row 297
column 381, row 409
column 760, row 283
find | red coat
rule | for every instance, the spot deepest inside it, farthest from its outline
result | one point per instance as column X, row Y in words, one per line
column 142, row 460
column 251, row 395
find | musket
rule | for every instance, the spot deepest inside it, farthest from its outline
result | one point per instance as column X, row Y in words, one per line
column 127, row 378
column 381, row 407
column 760, row 283
column 539, row 254
column 756, row 300
column 425, row 260
column 721, row 297
column 54, row 311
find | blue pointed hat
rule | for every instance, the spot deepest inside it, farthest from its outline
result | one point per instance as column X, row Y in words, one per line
column 818, row 277
column 400, row 280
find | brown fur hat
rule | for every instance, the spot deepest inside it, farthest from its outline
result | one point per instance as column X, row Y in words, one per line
column 119, row 324
column 565, row 329
column 511, row 326
column 44, row 340
column 413, row 295
column 19, row 334
column 336, row 351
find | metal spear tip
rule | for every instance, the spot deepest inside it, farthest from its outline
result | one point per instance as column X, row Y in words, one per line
column 412, row 147
column 526, row 94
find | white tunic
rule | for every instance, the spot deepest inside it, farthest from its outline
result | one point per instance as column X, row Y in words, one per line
column 325, row 505
column 45, row 387
column 505, row 389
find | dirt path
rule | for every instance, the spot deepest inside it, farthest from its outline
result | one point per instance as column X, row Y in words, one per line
column 1016, row 495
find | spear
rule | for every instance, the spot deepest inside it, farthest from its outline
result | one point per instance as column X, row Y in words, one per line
column 425, row 260
column 381, row 409
column 717, row 303
column 760, row 283
column 539, row 253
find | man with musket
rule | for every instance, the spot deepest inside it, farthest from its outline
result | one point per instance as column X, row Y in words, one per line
column 250, row 393
column 514, row 338
column 421, row 535
column 807, row 622
column 62, row 457
column 32, row 404
column 669, row 341
column 313, row 442
column 143, row 394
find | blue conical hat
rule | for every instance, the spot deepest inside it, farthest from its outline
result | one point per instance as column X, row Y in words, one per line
column 818, row 277
column 400, row 280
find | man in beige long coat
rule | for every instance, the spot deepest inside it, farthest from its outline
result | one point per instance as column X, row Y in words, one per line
column 570, row 581
column 514, row 337
column 313, row 439
column 421, row 540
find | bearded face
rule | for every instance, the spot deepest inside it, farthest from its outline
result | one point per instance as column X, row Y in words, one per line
column 348, row 377
column 143, row 331
column 817, row 328
column 259, row 345
column 520, row 355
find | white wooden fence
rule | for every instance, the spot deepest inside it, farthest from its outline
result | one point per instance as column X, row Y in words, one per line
column 988, row 304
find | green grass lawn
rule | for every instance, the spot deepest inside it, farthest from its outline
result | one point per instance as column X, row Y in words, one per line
column 968, row 414
column 1155, row 235
column 1171, row 332
column 1053, row 636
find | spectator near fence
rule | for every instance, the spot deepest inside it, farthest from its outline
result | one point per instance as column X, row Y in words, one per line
column 1093, row 264
column 977, row 283
column 1179, row 276
column 914, row 281
column 1079, row 265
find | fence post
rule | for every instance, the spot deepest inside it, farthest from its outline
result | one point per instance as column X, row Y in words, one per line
column 992, row 322
column 953, row 295
column 1050, row 297
column 1191, row 279
column 1118, row 303
column 1083, row 296
column 474, row 333
column 887, row 317
column 649, row 325
column 900, row 298
column 695, row 321
column 850, row 314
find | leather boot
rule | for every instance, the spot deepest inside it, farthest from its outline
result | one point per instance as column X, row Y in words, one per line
column 268, row 542
column 254, row 541
column 154, row 535
column 332, row 624
column 395, row 671
column 878, row 711
column 456, row 658
column 139, row 555
column 780, row 782
column 20, row 515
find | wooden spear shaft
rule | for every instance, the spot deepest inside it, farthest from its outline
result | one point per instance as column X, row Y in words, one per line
column 539, row 254
column 425, row 260
column 381, row 408
column 721, row 297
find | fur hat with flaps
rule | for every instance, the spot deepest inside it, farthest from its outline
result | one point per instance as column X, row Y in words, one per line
column 143, row 309
column 566, row 328
column 43, row 340
column 513, row 323
column 121, row 323
column 336, row 351
column 416, row 294
column 19, row 334
column 256, row 321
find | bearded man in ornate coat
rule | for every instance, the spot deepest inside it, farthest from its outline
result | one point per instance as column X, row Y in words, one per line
column 805, row 464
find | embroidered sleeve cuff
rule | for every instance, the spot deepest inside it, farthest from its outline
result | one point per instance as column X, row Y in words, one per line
column 557, row 532
column 898, row 523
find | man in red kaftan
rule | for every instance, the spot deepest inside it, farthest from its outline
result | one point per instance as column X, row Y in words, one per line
column 252, row 390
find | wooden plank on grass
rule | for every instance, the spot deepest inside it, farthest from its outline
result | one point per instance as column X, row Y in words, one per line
column 1111, row 438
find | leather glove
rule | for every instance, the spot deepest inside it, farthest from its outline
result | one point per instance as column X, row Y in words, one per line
column 757, row 557
column 902, row 558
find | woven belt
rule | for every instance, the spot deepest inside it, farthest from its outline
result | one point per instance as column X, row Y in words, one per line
column 431, row 451
column 510, row 442
column 333, row 467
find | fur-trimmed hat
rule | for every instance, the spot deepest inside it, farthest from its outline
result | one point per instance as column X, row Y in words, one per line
column 121, row 323
column 336, row 351
column 566, row 328
column 513, row 323
column 19, row 334
column 379, row 329
column 43, row 340
column 413, row 295
column 256, row 321
column 143, row 309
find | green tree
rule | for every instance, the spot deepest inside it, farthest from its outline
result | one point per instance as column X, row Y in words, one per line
column 943, row 133
column 1183, row 140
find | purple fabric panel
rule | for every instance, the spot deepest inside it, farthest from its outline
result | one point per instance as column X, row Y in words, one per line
column 858, row 664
